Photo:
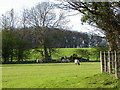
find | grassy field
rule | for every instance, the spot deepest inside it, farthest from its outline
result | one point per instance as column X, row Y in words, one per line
column 52, row 75
column 62, row 52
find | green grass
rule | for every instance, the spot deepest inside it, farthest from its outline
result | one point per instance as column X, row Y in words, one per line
column 70, row 51
column 102, row 81
column 62, row 52
column 65, row 52
column 48, row 75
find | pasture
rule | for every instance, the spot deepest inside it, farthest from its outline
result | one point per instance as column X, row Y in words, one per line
column 56, row 75
column 61, row 52
column 48, row 75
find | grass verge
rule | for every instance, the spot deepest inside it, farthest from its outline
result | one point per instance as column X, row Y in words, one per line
column 102, row 81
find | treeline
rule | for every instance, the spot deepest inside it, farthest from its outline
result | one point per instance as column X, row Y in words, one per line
column 40, row 27
column 18, row 42
column 56, row 38
column 14, row 47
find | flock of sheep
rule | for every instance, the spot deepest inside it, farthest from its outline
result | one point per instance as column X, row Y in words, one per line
column 62, row 60
column 57, row 61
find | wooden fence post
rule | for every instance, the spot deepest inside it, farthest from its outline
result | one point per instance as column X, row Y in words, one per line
column 109, row 62
column 112, row 62
column 101, row 62
column 116, row 72
column 106, row 61
column 118, row 64
column 105, row 64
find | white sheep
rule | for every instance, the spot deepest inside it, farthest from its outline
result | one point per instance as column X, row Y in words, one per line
column 76, row 61
column 39, row 61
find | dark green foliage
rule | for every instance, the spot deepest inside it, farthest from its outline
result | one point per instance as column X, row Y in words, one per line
column 96, row 52
column 13, row 46
column 56, row 38
column 84, row 53
column 7, row 45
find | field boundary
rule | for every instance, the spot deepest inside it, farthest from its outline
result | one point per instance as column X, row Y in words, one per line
column 110, row 62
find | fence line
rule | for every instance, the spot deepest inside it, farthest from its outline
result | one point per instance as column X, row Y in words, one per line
column 110, row 62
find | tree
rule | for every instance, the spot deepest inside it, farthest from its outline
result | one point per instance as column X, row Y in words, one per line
column 7, row 45
column 104, row 15
column 13, row 44
column 84, row 53
column 43, row 18
column 7, row 22
column 96, row 52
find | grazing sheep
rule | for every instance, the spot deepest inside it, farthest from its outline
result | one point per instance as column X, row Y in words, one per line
column 58, row 60
column 67, row 60
column 39, row 61
column 63, row 61
column 76, row 61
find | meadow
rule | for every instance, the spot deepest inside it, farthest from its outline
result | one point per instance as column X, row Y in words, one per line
column 62, row 52
column 55, row 75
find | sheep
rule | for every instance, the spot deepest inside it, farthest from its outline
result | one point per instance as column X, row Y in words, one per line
column 76, row 61
column 39, row 61
column 58, row 60
column 67, row 60
column 63, row 61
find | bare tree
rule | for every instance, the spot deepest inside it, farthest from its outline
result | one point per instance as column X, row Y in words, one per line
column 9, row 20
column 43, row 17
column 24, row 18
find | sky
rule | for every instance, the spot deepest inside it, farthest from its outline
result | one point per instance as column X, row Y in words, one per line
column 19, row 5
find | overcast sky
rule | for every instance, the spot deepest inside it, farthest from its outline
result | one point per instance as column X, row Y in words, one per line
column 19, row 5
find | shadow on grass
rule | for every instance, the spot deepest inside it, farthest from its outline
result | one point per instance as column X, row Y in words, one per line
column 37, row 64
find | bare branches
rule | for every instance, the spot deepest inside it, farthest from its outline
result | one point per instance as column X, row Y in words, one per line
column 44, row 15
column 8, row 20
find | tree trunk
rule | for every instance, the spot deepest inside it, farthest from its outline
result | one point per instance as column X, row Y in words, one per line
column 112, row 45
column 19, row 55
column 11, row 58
column 11, row 55
column 110, row 32
column 112, row 41
column 50, row 54
column 47, row 57
column 6, row 59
